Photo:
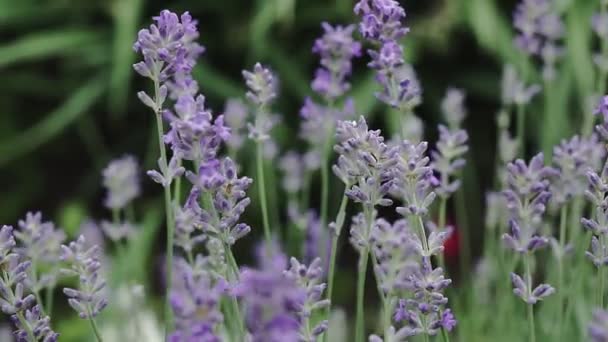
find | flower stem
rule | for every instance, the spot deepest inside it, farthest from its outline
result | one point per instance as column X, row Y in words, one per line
column 262, row 192
column 334, row 251
column 521, row 130
column 325, row 181
column 532, row 329
column 49, row 300
column 441, row 222
column 95, row 329
column 235, row 305
column 360, row 318
column 26, row 326
column 560, row 271
column 168, row 211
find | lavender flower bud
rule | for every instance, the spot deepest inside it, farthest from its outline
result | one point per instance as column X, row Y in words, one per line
column 598, row 327
column 452, row 107
column 447, row 160
column 414, row 179
column 381, row 20
column 121, row 180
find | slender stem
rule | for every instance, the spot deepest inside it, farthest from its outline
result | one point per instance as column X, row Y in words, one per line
column 168, row 211
column 235, row 305
column 334, row 251
column 25, row 325
column 325, row 181
column 532, row 330
column 441, row 222
column 601, row 289
column 360, row 318
column 35, row 290
column 521, row 130
column 49, row 299
column 95, row 329
column 262, row 192
column 561, row 289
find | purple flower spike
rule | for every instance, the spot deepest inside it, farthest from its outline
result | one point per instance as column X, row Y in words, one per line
column 89, row 299
column 262, row 85
column 381, row 20
column 447, row 160
column 121, row 180
column 414, row 180
column 168, row 46
column 336, row 48
column 452, row 107
column 598, row 327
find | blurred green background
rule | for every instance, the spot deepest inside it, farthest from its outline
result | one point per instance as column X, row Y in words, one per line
column 68, row 104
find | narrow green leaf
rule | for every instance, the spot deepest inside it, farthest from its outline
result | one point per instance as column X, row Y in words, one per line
column 53, row 123
column 212, row 82
column 44, row 45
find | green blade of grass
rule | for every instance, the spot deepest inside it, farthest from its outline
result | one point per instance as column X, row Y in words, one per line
column 53, row 123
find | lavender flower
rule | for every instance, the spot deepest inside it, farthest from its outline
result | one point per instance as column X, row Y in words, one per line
column 527, row 195
column 121, row 180
column 539, row 28
column 118, row 231
column 337, row 48
column 414, row 179
column 364, row 163
column 262, row 87
column 309, row 278
column 596, row 193
column 38, row 323
column 599, row 24
column 319, row 122
column 228, row 199
column 572, row 158
column 514, row 90
column 272, row 300
column 531, row 296
column 188, row 220
column 452, row 107
column 195, row 301
column 291, row 164
column 447, row 160
column 168, row 46
column 598, row 327
column 235, row 115
column 89, row 299
column 167, row 174
column 381, row 20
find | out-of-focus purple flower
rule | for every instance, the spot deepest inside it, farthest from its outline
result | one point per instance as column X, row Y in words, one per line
column 309, row 278
column 188, row 220
column 122, row 183
column 539, row 28
column 598, row 327
column 82, row 261
column 573, row 158
column 262, row 87
column 381, row 20
column 448, row 159
column 392, row 335
column 228, row 199
column 364, row 164
column 168, row 46
column 602, row 107
column 514, row 90
column 395, row 254
column 119, row 230
column 414, row 180
column 599, row 24
column 194, row 134
column 195, row 301
column 337, row 48
column 452, row 107
column 235, row 115
column 527, row 194
column 318, row 122
column 291, row 165
column 272, row 301
column 598, row 189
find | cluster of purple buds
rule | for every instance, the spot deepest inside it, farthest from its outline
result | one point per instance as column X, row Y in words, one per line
column 337, row 48
column 395, row 253
column 539, row 28
column 425, row 312
column 527, row 195
column 381, row 24
column 364, row 164
column 573, row 158
column 194, row 134
column 272, row 301
column 83, row 261
column 293, row 168
column 227, row 196
column 168, row 47
column 31, row 324
column 195, row 300
column 122, row 183
column 40, row 243
column 448, row 158
column 599, row 24
column 598, row 327
column 262, row 87
column 528, row 294
column 514, row 90
column 598, row 189
column 452, row 107
column 166, row 175
column 318, row 123
column 414, row 179
column 602, row 108
column 309, row 278
column 189, row 223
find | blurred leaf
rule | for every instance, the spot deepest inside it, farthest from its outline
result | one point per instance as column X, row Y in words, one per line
column 44, row 45
column 289, row 71
column 212, row 82
column 556, row 120
column 579, row 49
column 140, row 249
column 71, row 216
column 125, row 14
column 363, row 94
column 53, row 123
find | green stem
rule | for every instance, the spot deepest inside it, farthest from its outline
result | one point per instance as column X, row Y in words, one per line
column 521, row 130
column 25, row 325
column 49, row 300
column 325, row 182
column 360, row 318
column 94, row 328
column 334, row 251
column 168, row 211
column 560, row 283
column 602, row 281
column 441, row 222
column 235, row 305
column 262, row 192
column 531, row 327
